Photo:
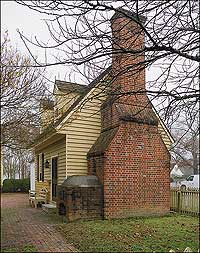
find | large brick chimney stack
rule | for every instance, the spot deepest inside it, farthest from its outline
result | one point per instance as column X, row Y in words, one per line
column 127, row 65
column 129, row 157
column 128, row 98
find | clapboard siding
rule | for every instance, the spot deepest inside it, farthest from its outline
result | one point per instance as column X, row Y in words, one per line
column 78, row 146
column 80, row 133
column 164, row 136
column 64, row 101
column 56, row 149
column 83, row 128
column 89, row 119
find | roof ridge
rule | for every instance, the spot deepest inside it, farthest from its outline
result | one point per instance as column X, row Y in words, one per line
column 68, row 82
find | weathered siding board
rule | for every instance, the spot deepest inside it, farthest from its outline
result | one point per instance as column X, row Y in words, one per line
column 82, row 134
column 88, row 120
column 82, row 127
column 56, row 149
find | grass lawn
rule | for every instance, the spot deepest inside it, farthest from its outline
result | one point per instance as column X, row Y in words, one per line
column 155, row 234
column 26, row 248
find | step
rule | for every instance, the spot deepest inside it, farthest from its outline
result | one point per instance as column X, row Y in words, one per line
column 49, row 208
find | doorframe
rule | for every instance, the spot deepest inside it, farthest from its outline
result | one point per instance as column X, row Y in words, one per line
column 55, row 156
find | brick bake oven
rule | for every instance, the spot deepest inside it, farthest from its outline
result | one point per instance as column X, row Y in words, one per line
column 80, row 197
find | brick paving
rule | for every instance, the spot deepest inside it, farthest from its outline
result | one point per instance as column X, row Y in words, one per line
column 22, row 225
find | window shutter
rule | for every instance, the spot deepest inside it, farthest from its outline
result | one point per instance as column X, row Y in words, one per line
column 42, row 168
column 38, row 167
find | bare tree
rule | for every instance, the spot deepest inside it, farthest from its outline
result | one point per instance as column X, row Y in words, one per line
column 22, row 87
column 10, row 164
column 186, row 151
column 16, row 163
column 80, row 35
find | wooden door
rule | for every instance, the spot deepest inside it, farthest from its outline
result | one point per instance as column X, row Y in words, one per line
column 54, row 177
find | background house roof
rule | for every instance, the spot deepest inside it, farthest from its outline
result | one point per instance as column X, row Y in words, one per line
column 68, row 87
column 185, row 167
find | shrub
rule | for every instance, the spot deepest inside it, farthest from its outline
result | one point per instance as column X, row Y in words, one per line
column 16, row 185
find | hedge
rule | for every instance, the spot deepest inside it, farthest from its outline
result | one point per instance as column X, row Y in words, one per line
column 16, row 185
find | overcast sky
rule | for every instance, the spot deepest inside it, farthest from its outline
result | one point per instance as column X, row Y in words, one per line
column 15, row 16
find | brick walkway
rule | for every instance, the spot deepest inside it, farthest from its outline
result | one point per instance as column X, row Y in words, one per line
column 22, row 225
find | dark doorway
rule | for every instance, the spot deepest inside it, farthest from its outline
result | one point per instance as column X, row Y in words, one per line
column 54, row 177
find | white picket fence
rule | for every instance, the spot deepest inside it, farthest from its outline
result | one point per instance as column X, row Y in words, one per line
column 185, row 201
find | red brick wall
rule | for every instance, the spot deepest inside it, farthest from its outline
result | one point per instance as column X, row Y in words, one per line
column 136, row 173
column 96, row 167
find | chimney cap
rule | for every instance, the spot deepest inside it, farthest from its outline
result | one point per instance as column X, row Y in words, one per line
column 120, row 12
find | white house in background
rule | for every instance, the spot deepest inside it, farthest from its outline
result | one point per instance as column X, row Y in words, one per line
column 32, row 176
column 176, row 172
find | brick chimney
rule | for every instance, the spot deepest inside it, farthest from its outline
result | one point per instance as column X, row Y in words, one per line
column 128, row 99
column 129, row 157
column 128, row 38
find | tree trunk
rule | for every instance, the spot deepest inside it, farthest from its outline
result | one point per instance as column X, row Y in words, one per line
column 195, row 163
